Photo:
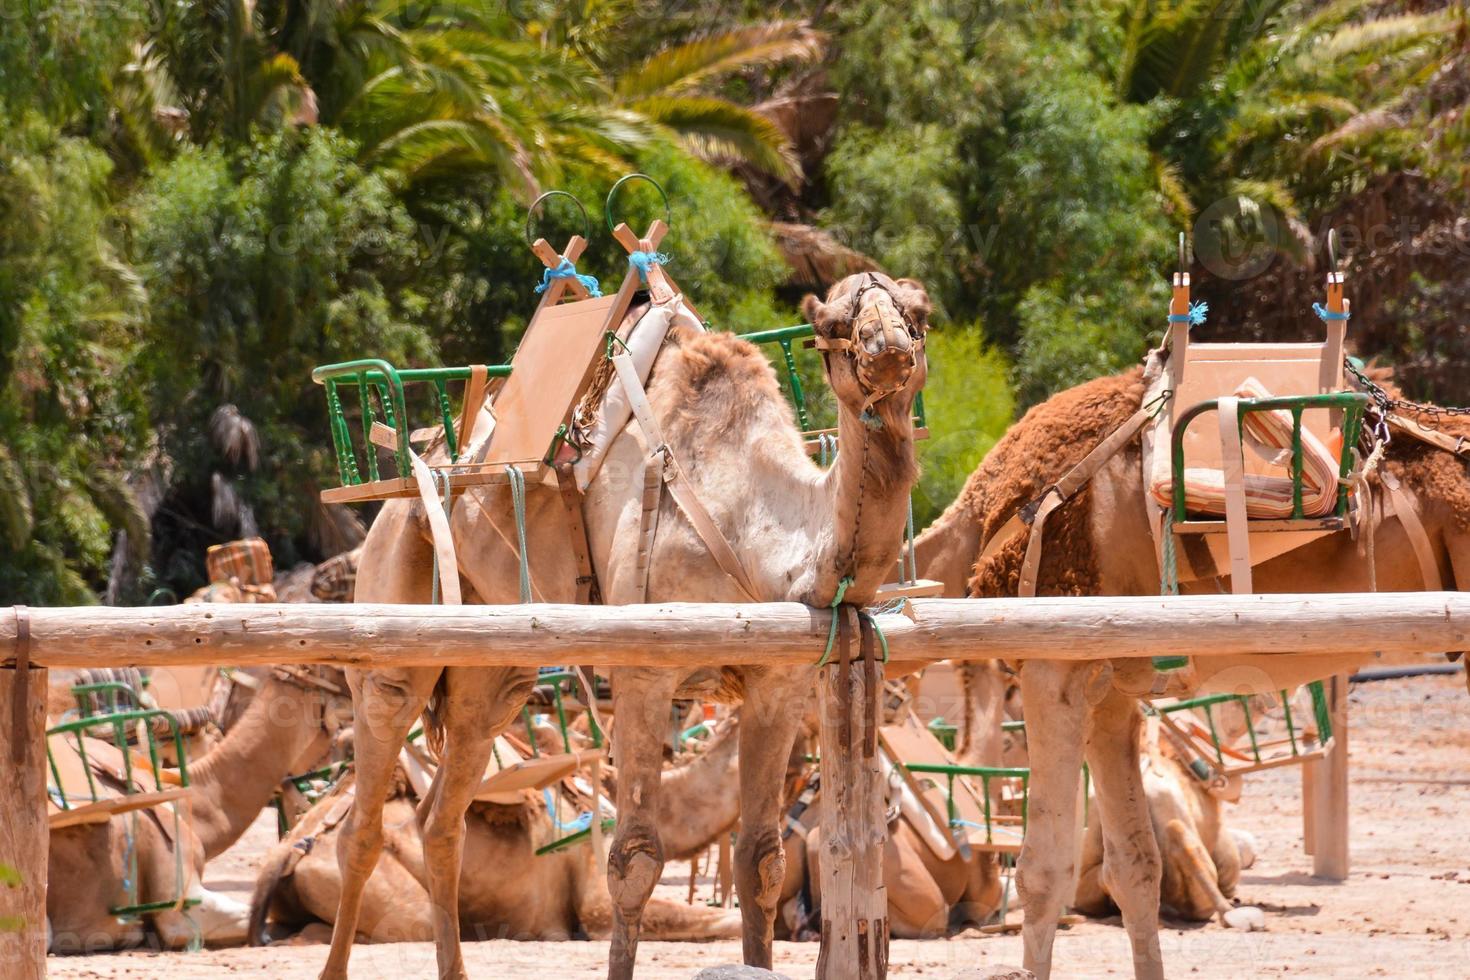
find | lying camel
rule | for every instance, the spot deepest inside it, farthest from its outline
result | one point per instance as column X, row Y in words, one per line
column 1202, row 857
column 288, row 723
column 507, row 891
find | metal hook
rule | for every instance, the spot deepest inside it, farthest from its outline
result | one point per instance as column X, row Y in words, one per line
column 531, row 213
column 608, row 207
column 1332, row 250
column 1183, row 255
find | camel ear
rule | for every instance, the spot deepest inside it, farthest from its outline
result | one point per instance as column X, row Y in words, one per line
column 915, row 300
column 819, row 314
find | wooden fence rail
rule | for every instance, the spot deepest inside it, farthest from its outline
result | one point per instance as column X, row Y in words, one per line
column 667, row 635
column 769, row 634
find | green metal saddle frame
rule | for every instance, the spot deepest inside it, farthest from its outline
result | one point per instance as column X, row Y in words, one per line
column 382, row 389
column 1349, row 403
column 118, row 720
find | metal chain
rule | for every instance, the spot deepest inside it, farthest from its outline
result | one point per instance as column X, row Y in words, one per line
column 1383, row 403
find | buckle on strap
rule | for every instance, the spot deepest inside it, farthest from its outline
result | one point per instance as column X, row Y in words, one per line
column 1027, row 513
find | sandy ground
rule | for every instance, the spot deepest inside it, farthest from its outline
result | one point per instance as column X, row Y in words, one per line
column 1405, row 912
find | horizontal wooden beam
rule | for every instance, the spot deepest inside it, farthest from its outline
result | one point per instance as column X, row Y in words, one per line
column 708, row 634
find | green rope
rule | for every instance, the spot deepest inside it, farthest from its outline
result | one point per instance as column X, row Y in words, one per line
column 518, row 504
column 832, row 629
column 882, row 640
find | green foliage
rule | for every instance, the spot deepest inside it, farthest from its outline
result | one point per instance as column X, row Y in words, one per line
column 259, row 266
column 891, row 199
column 69, row 411
column 969, row 406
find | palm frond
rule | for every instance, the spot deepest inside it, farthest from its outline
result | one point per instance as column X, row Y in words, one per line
column 720, row 130
column 686, row 66
column 1382, row 35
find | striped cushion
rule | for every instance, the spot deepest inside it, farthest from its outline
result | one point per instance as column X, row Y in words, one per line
column 1268, row 433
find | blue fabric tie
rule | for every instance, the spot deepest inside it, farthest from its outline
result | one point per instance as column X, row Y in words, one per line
column 643, row 261
column 566, row 270
column 1327, row 314
column 1194, row 317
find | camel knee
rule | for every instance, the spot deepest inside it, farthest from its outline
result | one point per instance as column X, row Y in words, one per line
column 1133, row 878
column 760, row 867
column 634, row 864
column 1040, row 888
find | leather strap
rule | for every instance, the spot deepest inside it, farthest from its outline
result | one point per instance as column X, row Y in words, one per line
column 1035, row 513
column 571, row 498
column 870, row 686
column 653, row 487
column 1408, row 515
column 439, row 533
column 1458, row 445
column 474, row 400
column 21, row 708
column 845, row 615
column 679, row 488
column 1232, row 467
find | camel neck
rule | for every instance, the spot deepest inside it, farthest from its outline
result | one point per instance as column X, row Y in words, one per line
column 240, row 775
column 946, row 551
column 868, row 488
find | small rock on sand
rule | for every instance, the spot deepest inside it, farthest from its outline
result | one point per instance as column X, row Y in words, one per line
column 732, row 971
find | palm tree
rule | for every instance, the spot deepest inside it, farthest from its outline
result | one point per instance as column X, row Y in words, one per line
column 1283, row 102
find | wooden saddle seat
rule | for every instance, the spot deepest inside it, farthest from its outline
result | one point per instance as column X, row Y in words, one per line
column 1237, row 495
column 1267, row 483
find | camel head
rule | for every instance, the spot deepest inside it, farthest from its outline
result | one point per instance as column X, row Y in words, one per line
column 870, row 331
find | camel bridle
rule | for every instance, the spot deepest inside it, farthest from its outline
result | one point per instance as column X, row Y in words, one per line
column 888, row 335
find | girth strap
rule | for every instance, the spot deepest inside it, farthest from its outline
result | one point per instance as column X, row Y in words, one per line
column 1408, row 515
column 439, row 531
column 679, row 488
column 571, row 498
column 1035, row 513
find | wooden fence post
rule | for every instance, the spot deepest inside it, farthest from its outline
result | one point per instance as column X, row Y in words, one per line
column 854, row 903
column 24, row 834
column 1328, row 789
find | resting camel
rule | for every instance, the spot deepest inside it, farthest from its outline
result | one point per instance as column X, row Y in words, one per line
column 1202, row 857
column 287, row 724
column 928, row 895
column 797, row 532
column 507, row 891
column 1099, row 543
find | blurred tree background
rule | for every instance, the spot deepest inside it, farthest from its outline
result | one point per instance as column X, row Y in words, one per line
column 201, row 200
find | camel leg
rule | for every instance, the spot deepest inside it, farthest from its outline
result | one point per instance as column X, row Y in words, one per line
column 1132, row 870
column 1056, row 716
column 642, row 700
column 386, row 703
column 769, row 723
column 478, row 704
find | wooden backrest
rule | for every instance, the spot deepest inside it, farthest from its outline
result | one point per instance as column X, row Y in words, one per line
column 1213, row 370
column 549, row 372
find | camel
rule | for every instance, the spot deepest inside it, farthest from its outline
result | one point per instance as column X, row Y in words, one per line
column 797, row 532
column 1202, row 856
column 508, row 891
column 928, row 896
column 287, row 724
column 1099, row 543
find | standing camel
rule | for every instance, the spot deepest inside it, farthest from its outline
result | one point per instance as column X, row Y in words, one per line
column 797, row 531
column 1099, row 543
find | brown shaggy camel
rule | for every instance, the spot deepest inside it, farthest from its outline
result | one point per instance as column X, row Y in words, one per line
column 1202, row 856
column 287, row 725
column 796, row 530
column 507, row 890
column 1099, row 543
